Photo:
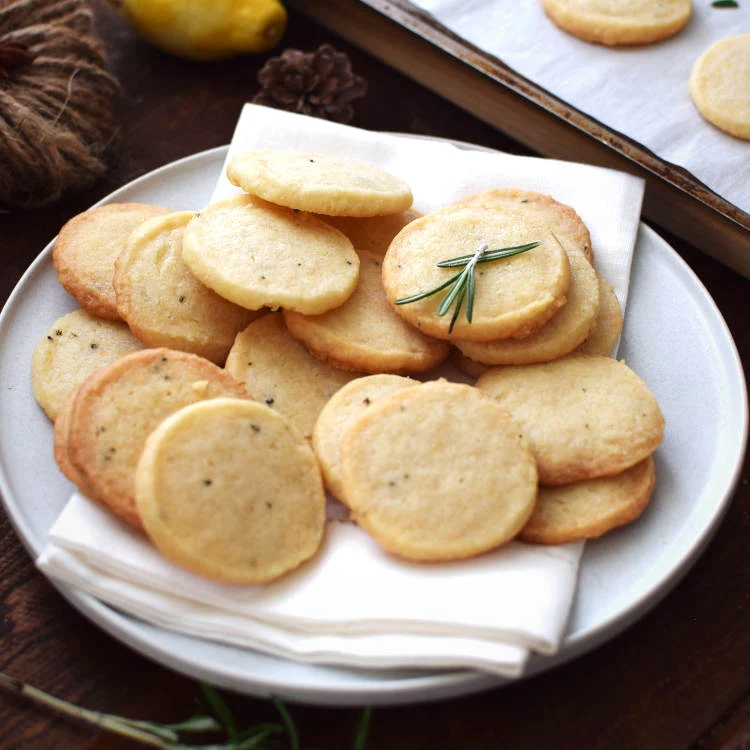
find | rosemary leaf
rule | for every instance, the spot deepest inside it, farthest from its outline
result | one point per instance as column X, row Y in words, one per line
column 471, row 290
column 725, row 4
column 363, row 727
column 196, row 724
column 265, row 729
column 504, row 252
column 288, row 722
column 220, row 708
column 255, row 741
column 422, row 295
column 459, row 302
column 457, row 287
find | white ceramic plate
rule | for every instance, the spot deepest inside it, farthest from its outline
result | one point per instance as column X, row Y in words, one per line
column 674, row 338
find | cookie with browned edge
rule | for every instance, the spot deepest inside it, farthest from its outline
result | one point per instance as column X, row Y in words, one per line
column 117, row 407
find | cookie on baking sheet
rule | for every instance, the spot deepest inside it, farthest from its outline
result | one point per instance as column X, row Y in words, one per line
column 588, row 509
column 228, row 489
column 514, row 296
column 607, row 326
column 619, row 22
column 543, row 210
column 279, row 371
column 164, row 303
column 583, row 416
column 318, row 183
column 438, row 472
column 117, row 407
column 346, row 405
column 75, row 346
column 365, row 334
column 720, row 85
column 372, row 233
column 84, row 252
column 558, row 336
column 257, row 254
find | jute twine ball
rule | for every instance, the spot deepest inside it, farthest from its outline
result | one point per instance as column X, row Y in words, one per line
column 56, row 98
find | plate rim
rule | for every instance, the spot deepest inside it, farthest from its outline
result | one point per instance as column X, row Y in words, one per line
column 434, row 684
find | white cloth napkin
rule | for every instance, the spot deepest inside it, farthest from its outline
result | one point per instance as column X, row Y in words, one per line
column 354, row 604
column 641, row 92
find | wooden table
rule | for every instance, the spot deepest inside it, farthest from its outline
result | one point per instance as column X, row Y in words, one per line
column 679, row 678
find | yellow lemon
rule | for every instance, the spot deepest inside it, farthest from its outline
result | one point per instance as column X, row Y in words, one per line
column 207, row 29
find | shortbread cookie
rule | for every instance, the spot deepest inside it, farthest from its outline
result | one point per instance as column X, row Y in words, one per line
column 85, row 251
column 720, row 85
column 438, row 472
column 619, row 22
column 346, row 405
column 514, row 296
column 556, row 338
column 608, row 325
column 588, row 509
column 257, row 254
column 60, row 446
column 279, row 371
column 117, row 407
column 231, row 491
column 583, row 416
column 319, row 183
column 543, row 210
column 75, row 346
column 365, row 334
column 374, row 233
column 467, row 365
column 164, row 303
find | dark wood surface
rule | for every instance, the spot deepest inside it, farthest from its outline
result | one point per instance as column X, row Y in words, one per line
column 678, row 679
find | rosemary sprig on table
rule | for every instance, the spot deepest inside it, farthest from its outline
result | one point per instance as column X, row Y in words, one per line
column 180, row 736
column 463, row 286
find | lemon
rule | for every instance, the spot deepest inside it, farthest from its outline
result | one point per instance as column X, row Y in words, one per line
column 207, row 29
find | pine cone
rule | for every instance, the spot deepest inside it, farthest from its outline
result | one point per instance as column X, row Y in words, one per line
column 319, row 83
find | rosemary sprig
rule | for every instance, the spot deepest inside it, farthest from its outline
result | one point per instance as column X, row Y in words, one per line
column 463, row 285
column 145, row 732
column 181, row 736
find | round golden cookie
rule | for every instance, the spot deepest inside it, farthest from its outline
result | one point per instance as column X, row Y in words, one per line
column 372, row 233
column 438, row 472
column 619, row 22
column 365, row 334
column 279, row 371
column 588, row 509
column 514, row 296
column 229, row 490
column 117, row 407
column 346, row 405
column 318, row 183
column 75, row 346
column 720, row 85
column 60, row 445
column 558, row 336
column 543, row 210
column 583, row 416
column 608, row 325
column 164, row 303
column 85, row 251
column 257, row 254
column 467, row 365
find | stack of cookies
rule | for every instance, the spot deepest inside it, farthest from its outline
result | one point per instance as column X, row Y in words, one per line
column 230, row 364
